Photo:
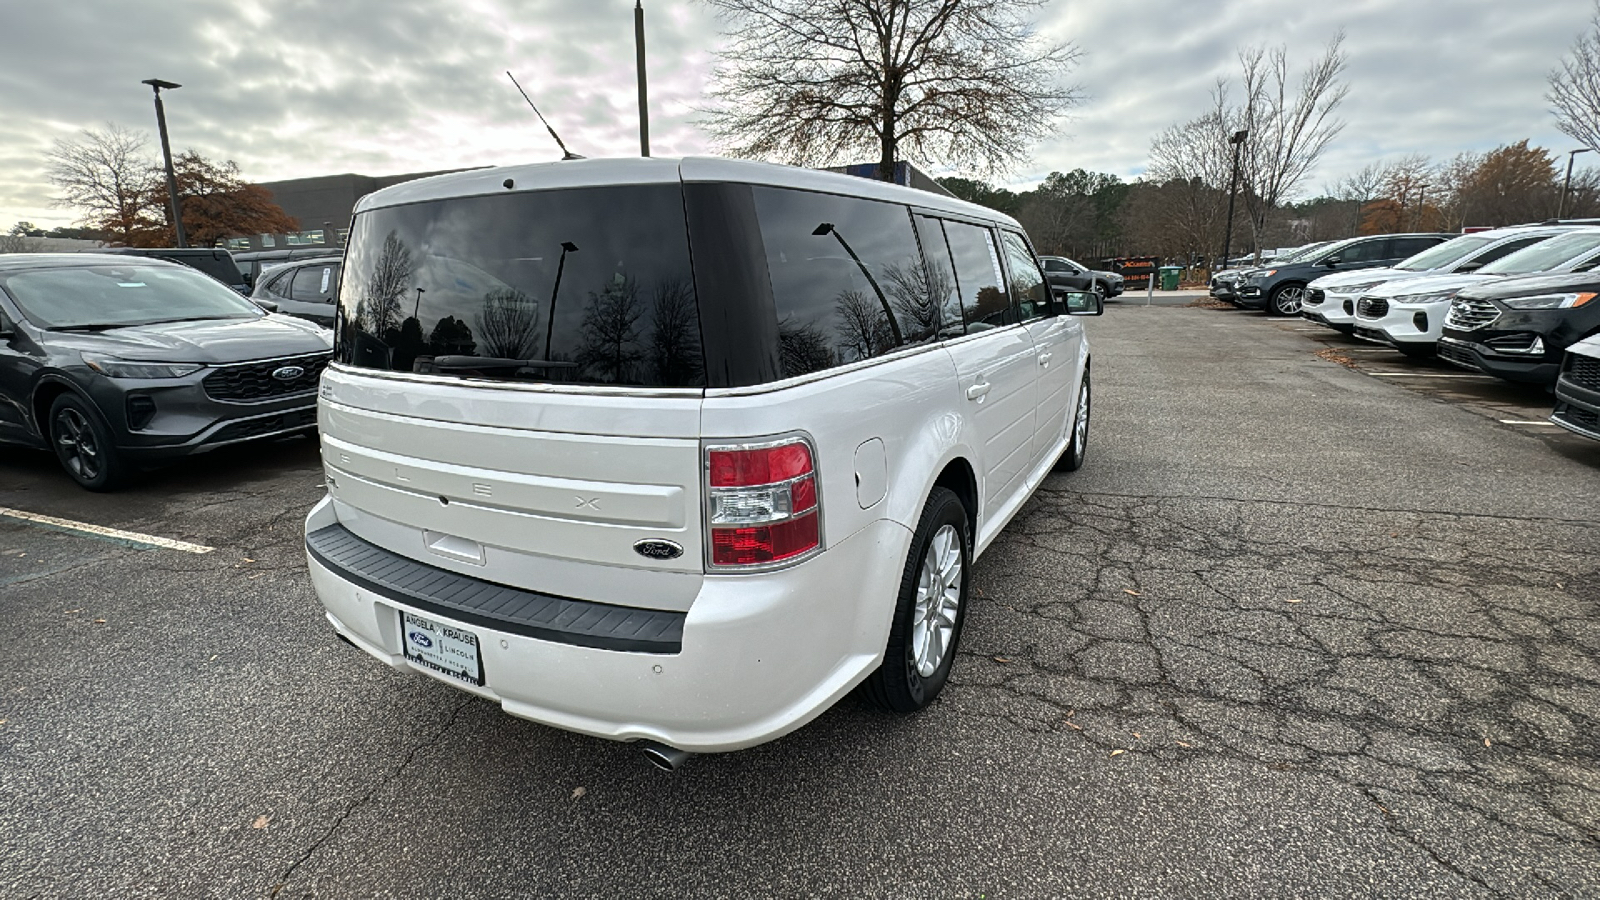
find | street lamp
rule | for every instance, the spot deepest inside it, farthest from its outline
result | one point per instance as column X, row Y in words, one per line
column 550, row 321
column 894, row 327
column 1237, row 141
column 156, row 85
column 1567, row 185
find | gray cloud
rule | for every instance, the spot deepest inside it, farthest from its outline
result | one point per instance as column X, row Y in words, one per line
column 294, row 87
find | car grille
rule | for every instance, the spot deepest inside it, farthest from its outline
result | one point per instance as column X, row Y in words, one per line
column 1466, row 315
column 1453, row 352
column 1372, row 308
column 248, row 382
column 1314, row 297
column 1578, row 418
column 252, row 428
column 1584, row 372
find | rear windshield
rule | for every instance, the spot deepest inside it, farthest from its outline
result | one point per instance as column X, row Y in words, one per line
column 582, row 286
column 101, row 297
column 218, row 264
column 1546, row 255
column 1447, row 254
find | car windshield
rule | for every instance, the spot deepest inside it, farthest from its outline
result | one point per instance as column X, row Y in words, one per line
column 1302, row 253
column 1447, row 254
column 1546, row 255
column 117, row 296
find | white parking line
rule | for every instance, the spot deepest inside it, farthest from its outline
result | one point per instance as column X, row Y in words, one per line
column 1527, row 422
column 100, row 531
column 1425, row 375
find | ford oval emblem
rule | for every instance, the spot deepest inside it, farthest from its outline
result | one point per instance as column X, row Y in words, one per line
column 655, row 548
column 420, row 639
column 288, row 373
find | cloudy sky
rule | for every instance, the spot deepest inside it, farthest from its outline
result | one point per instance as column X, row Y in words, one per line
column 293, row 88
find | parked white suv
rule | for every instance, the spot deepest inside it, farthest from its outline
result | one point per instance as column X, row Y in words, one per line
column 1331, row 300
column 1409, row 314
column 682, row 451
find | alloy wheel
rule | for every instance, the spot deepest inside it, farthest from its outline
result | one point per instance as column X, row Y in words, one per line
column 76, row 444
column 933, row 621
column 1289, row 300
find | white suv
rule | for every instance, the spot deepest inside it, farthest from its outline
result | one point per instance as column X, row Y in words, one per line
column 1331, row 300
column 1409, row 315
column 682, row 451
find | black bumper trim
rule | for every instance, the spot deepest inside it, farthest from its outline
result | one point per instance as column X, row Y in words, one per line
column 544, row 617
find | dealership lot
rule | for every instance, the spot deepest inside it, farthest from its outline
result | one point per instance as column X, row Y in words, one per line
column 1301, row 626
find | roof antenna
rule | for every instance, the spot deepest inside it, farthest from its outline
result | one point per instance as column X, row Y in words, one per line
column 565, row 153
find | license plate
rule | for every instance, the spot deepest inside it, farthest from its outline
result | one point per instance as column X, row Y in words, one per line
column 452, row 652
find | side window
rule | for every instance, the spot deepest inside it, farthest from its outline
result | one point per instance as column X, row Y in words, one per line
column 941, row 278
column 984, row 303
column 1029, row 291
column 279, row 284
column 1055, row 265
column 1408, row 247
column 1366, row 251
column 312, row 284
column 1506, row 249
column 847, row 277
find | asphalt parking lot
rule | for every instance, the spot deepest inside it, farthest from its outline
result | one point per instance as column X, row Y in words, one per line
column 1298, row 628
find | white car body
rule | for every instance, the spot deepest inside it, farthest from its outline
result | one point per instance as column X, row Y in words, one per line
column 1578, row 389
column 1410, row 314
column 1331, row 300
column 555, row 490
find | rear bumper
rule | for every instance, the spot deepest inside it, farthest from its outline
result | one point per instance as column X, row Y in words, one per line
column 760, row 655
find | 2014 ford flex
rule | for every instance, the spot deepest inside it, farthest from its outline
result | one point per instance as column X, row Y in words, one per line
column 682, row 451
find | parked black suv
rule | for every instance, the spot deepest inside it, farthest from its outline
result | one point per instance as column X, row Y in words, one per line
column 214, row 261
column 1280, row 289
column 1520, row 328
column 113, row 361
column 1069, row 275
column 307, row 289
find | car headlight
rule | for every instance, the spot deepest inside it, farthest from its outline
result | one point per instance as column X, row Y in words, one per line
column 1549, row 301
column 1426, row 297
column 127, row 368
column 1351, row 288
column 1264, row 273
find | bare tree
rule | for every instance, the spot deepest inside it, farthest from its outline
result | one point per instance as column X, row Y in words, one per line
column 965, row 82
column 14, row 243
column 110, row 176
column 1360, row 188
column 1575, row 88
column 508, row 324
column 1290, row 126
column 391, row 279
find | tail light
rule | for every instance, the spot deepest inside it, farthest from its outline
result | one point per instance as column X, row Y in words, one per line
column 762, row 505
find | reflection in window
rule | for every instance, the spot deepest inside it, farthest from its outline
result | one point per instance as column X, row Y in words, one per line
column 588, row 286
column 847, row 278
column 983, row 300
column 1028, row 289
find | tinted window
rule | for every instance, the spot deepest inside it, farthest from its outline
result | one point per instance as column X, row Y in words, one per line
column 941, row 276
column 1546, row 255
column 1445, row 254
column 1056, row 265
column 1028, row 288
column 1410, row 246
column 1365, row 251
column 589, row 285
column 1508, row 248
column 115, row 296
column 847, row 278
column 315, row 284
column 983, row 301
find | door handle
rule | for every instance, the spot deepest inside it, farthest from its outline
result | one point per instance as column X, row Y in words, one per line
column 978, row 391
column 1044, row 359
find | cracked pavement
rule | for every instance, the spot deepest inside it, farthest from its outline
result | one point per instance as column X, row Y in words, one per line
column 1292, row 631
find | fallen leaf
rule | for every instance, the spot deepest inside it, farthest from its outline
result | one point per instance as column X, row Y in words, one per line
column 213, row 657
column 1001, row 659
column 1138, row 735
column 1074, row 726
column 248, row 559
column 261, row 821
column 578, row 792
column 72, row 611
column 1291, row 600
column 99, row 621
column 1131, row 593
column 1185, row 744
column 1118, row 752
column 255, row 576
column 1486, row 742
column 3, row 721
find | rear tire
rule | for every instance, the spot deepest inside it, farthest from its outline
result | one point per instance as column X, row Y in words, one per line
column 83, row 445
column 930, row 611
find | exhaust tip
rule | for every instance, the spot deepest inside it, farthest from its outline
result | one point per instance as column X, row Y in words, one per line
column 665, row 758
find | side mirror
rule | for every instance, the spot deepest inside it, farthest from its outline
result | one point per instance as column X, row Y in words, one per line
column 266, row 305
column 1083, row 303
column 7, row 330
column 1471, row 265
column 1332, row 261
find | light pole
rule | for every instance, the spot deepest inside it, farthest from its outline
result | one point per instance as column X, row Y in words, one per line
column 1237, row 141
column 416, row 310
column 894, row 327
column 156, row 85
column 550, row 320
column 1567, row 185
column 644, row 102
